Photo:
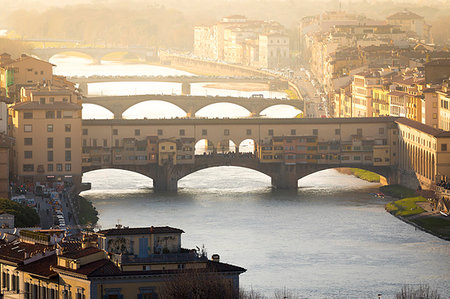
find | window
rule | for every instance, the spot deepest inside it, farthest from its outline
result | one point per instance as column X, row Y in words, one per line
column 315, row 132
column 94, row 142
column 137, row 132
column 380, row 131
column 160, row 132
column 52, row 100
column 249, row 132
column 50, row 142
column 50, row 114
column 444, row 147
column 270, row 133
column 67, row 127
column 42, row 101
column 27, row 128
column 68, row 142
column 68, row 155
column 49, row 167
column 293, row 132
column 182, row 132
column 68, row 167
column 105, row 143
column 226, row 132
column 116, row 143
column 67, row 114
column 50, row 128
column 434, row 115
column 359, row 132
column 58, row 114
column 85, row 131
column 28, row 115
column 28, row 154
column 357, row 158
column 204, row 132
column 115, row 131
column 28, row 167
column 58, row 167
column 28, row 141
column 337, row 131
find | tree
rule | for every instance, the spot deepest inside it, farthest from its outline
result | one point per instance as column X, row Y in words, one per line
column 423, row 291
column 197, row 284
column 24, row 216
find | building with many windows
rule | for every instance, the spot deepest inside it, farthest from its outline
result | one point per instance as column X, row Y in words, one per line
column 46, row 123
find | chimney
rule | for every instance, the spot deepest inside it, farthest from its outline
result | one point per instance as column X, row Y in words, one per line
column 215, row 258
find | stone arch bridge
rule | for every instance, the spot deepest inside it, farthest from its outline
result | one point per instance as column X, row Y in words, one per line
column 190, row 104
column 166, row 177
column 145, row 54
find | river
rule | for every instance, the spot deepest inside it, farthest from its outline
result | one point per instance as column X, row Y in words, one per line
column 329, row 239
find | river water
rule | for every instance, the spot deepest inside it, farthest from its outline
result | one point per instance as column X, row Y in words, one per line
column 329, row 239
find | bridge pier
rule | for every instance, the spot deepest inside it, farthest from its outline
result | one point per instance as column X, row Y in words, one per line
column 285, row 177
column 164, row 180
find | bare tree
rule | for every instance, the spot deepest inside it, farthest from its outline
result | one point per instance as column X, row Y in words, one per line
column 197, row 284
column 251, row 294
column 423, row 291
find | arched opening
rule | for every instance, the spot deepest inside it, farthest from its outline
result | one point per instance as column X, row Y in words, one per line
column 153, row 109
column 204, row 147
column 93, row 111
column 222, row 110
column 226, row 146
column 71, row 57
column 281, row 111
column 116, row 181
column 225, row 179
column 235, row 89
column 247, row 146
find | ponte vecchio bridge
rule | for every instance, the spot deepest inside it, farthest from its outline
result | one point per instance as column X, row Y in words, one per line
column 166, row 150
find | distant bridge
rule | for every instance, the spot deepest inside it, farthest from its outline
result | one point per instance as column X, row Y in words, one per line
column 96, row 54
column 190, row 104
column 272, row 83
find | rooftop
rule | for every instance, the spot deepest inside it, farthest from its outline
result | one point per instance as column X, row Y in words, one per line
column 140, row 231
column 422, row 127
column 81, row 253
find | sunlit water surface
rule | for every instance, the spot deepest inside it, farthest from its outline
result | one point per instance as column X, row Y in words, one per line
column 331, row 239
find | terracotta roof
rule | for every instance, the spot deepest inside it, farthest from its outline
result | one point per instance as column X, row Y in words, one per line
column 103, row 267
column 81, row 253
column 15, row 251
column 422, row 127
column 140, row 231
column 42, row 267
column 34, row 105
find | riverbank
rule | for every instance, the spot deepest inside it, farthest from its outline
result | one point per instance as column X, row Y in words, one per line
column 417, row 211
column 361, row 174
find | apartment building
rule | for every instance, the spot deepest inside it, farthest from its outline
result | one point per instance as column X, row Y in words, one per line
column 46, row 123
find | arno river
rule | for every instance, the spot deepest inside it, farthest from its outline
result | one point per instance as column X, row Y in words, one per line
column 331, row 239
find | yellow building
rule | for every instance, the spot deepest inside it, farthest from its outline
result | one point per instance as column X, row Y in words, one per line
column 444, row 107
column 46, row 124
column 380, row 101
column 167, row 152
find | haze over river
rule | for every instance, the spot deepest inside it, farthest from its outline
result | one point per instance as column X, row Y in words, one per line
column 331, row 239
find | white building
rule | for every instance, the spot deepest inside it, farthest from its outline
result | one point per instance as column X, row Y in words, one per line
column 273, row 50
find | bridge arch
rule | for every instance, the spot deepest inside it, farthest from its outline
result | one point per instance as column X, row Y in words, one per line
column 204, row 147
column 74, row 53
column 221, row 109
column 247, row 146
column 150, row 108
column 286, row 110
column 96, row 111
